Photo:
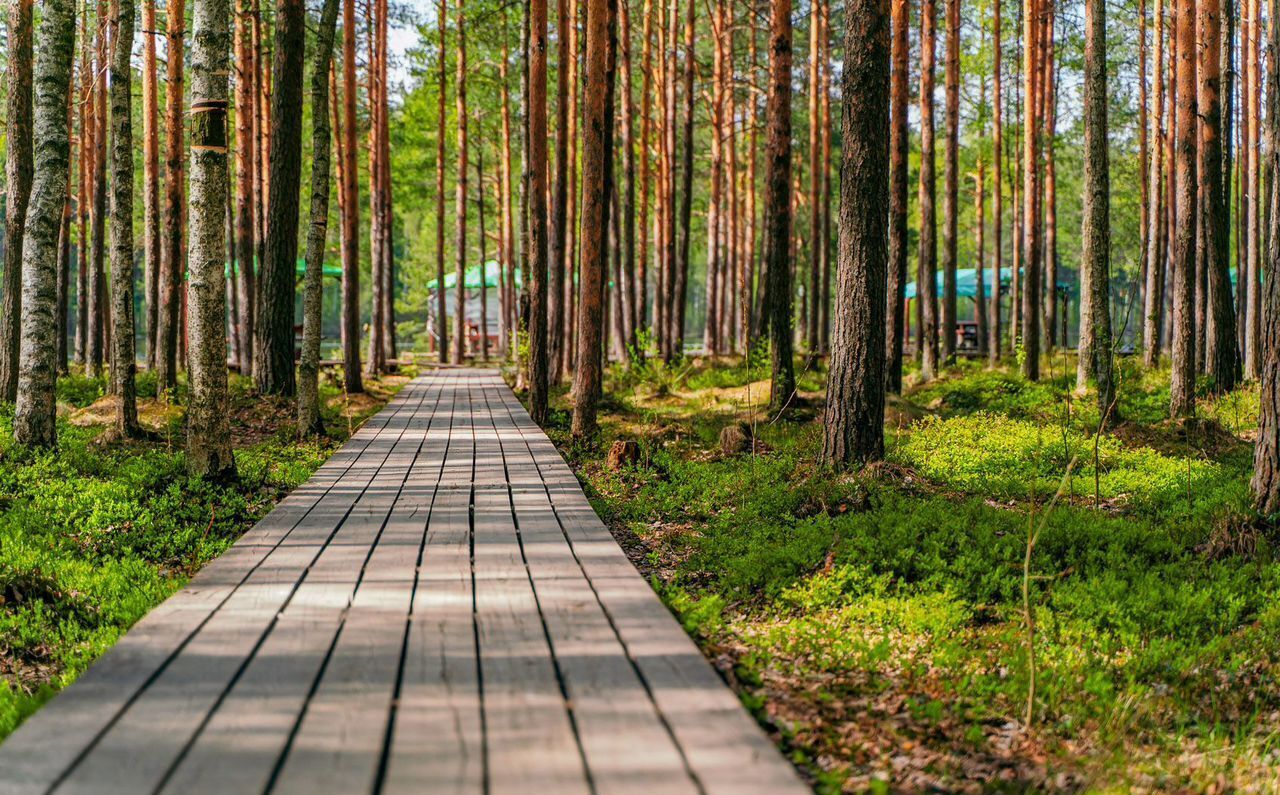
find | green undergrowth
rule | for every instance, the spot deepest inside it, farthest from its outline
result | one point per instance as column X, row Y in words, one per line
column 94, row 534
column 878, row 615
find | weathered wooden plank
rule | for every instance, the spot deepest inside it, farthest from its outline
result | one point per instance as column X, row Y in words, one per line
column 254, row 723
column 725, row 748
column 436, row 742
column 627, row 747
column 531, row 743
column 339, row 743
column 135, row 753
column 49, row 743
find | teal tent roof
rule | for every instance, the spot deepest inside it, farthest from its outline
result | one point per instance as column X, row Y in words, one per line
column 491, row 269
column 967, row 283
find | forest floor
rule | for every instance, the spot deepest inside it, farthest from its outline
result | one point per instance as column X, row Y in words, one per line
column 98, row 532
column 875, row 621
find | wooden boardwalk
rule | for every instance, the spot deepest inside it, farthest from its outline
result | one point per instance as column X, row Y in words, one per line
column 438, row 610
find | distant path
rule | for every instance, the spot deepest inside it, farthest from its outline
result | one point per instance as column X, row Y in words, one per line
column 438, row 610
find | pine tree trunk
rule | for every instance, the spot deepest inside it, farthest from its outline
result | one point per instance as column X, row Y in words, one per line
column 597, row 156
column 1182, row 386
column 994, row 341
column 1029, row 327
column 442, row 317
column 97, row 275
column 1220, row 349
column 680, row 291
column 484, row 269
column 375, row 362
column 208, row 430
column 173, row 252
column 951, row 185
column 18, row 176
column 560, row 189
column 927, row 275
column 813, row 293
column 900, row 75
column 627, row 266
column 1153, row 292
column 1050, row 200
column 273, row 329
column 246, row 170
column 460, row 199
column 854, row 419
column 504, row 203
column 536, row 177
column 351, row 209
column 124, row 365
column 1096, row 253
column 80, row 99
column 64, row 261
column 980, row 247
column 777, row 206
column 151, row 179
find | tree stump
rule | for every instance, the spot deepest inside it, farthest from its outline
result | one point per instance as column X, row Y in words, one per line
column 736, row 439
column 623, row 452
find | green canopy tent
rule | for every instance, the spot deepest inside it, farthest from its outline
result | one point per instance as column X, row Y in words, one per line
column 329, row 271
column 472, row 282
column 967, row 287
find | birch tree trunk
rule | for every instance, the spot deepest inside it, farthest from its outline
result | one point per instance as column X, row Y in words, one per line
column 34, row 422
column 853, row 429
column 124, row 365
column 208, row 430
column 309, row 421
column 18, row 176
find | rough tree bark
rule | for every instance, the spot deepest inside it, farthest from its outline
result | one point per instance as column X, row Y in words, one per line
column 680, row 290
column 18, row 175
column 124, row 366
column 173, row 254
column 351, row 209
column 1153, row 289
column 897, row 273
column 1030, row 322
column 208, row 429
column 246, row 208
column 854, row 421
column 1096, row 253
column 560, row 188
column 309, row 421
column 927, row 275
column 951, row 185
column 34, row 422
column 442, row 317
column 597, row 167
column 536, row 250
column 151, row 178
column 1183, row 383
column 777, row 206
column 1220, row 349
column 997, row 187
column 460, row 198
column 273, row 329
column 1266, row 457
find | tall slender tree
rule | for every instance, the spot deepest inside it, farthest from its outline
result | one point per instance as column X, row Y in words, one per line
column 309, row 421
column 686, row 178
column 1096, row 253
column 442, row 321
column 951, row 184
column 1153, row 288
column 208, row 430
column 897, row 275
column 1266, row 456
column 34, row 422
column 854, row 420
column 18, row 175
column 597, row 160
column 273, row 328
column 560, row 188
column 1220, row 353
column 536, row 219
column 777, row 206
column 151, row 178
column 173, row 260
column 997, row 186
column 460, row 205
column 124, row 356
column 246, row 171
column 1182, row 386
column 351, row 211
column 1030, row 322
column 927, row 275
